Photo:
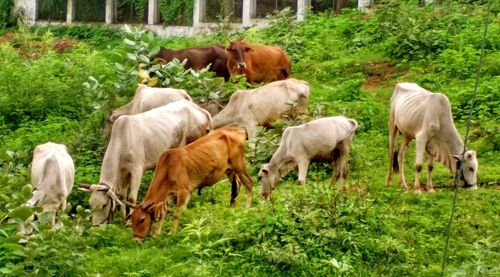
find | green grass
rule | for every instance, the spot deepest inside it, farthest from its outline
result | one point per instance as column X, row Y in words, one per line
column 352, row 63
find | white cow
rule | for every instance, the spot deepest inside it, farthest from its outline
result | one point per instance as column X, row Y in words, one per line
column 264, row 105
column 147, row 98
column 325, row 140
column 52, row 176
column 136, row 143
column 426, row 117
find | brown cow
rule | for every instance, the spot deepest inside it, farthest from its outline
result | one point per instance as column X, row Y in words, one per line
column 199, row 58
column 260, row 63
column 179, row 171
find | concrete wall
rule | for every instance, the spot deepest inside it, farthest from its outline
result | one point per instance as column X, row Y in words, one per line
column 28, row 9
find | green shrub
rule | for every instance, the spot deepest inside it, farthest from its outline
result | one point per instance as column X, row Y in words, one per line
column 8, row 16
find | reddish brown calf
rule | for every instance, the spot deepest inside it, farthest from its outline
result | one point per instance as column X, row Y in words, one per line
column 260, row 63
column 179, row 171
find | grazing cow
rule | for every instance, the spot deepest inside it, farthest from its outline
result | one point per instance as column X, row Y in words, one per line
column 262, row 106
column 52, row 176
column 136, row 143
column 147, row 98
column 260, row 63
column 426, row 117
column 199, row 58
column 180, row 171
column 324, row 140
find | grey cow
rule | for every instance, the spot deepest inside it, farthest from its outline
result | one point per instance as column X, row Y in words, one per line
column 264, row 105
column 326, row 140
column 426, row 117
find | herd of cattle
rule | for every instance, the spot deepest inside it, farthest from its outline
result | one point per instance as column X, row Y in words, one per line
column 165, row 129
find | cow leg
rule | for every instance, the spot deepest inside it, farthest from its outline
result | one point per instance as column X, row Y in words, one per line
column 240, row 173
column 247, row 182
column 419, row 159
column 303, row 165
column 430, row 186
column 182, row 199
column 401, row 158
column 135, row 183
column 340, row 164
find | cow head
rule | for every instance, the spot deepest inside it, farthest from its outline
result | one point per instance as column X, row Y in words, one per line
column 467, row 170
column 237, row 51
column 267, row 179
column 102, row 202
column 142, row 218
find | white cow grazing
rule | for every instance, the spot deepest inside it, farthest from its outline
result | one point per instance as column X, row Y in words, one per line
column 264, row 105
column 426, row 117
column 147, row 98
column 136, row 143
column 325, row 140
column 52, row 176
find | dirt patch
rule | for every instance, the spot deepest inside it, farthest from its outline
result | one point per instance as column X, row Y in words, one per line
column 377, row 73
column 34, row 47
column 63, row 45
column 8, row 37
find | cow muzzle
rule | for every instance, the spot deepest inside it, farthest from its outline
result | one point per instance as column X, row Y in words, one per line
column 138, row 239
column 242, row 65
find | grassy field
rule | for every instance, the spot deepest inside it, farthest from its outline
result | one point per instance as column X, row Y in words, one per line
column 60, row 83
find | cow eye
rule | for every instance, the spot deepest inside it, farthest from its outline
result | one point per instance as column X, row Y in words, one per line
column 141, row 220
column 471, row 169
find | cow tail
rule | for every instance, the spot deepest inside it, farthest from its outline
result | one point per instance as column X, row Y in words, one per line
column 234, row 188
column 393, row 131
column 210, row 122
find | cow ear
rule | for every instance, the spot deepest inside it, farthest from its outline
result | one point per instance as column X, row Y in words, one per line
column 470, row 155
column 264, row 170
column 248, row 49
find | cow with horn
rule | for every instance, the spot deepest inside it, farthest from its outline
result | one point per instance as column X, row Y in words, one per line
column 136, row 143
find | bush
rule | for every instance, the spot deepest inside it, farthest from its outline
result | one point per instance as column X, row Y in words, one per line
column 8, row 15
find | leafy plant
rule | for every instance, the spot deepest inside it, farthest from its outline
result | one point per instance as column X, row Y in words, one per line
column 8, row 16
column 176, row 12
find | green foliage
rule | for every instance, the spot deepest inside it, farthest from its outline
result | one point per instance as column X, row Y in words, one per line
column 352, row 62
column 8, row 16
column 98, row 36
column 176, row 12
column 52, row 9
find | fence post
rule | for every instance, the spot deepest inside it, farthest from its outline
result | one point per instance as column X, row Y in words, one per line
column 28, row 9
column 198, row 12
column 153, row 12
column 247, row 10
column 110, row 10
column 301, row 9
column 70, row 11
